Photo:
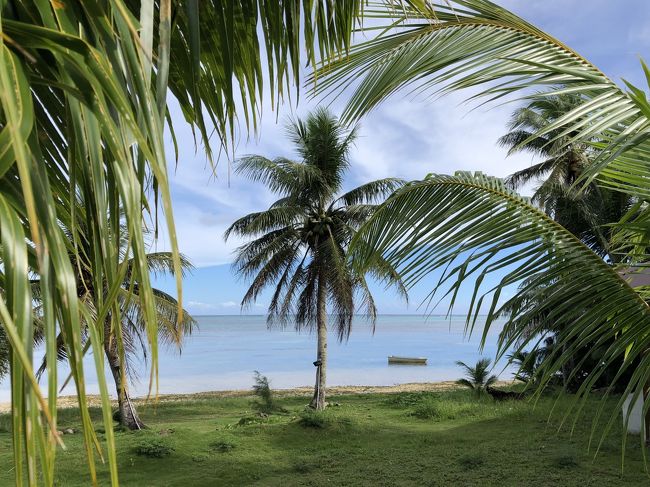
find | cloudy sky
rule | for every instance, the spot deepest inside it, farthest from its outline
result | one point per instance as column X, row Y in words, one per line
column 404, row 138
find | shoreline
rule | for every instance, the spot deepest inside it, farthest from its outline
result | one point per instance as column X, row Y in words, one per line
column 94, row 400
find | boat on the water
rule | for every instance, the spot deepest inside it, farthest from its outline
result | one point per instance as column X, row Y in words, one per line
column 407, row 360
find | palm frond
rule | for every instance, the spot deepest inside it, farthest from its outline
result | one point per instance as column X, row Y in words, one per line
column 275, row 218
column 472, row 227
column 372, row 192
column 280, row 175
column 477, row 44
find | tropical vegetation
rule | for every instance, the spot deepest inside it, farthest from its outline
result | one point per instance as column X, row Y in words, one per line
column 299, row 244
column 585, row 211
column 83, row 90
column 471, row 226
column 477, row 378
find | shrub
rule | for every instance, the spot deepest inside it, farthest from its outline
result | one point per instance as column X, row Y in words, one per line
column 262, row 389
column 154, row 448
column 313, row 419
column 322, row 419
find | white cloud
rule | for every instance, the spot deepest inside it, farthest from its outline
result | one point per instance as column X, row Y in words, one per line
column 404, row 137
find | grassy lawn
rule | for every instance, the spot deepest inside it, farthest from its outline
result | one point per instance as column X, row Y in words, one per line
column 431, row 438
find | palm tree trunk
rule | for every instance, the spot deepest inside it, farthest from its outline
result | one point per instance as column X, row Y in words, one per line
column 128, row 416
column 318, row 401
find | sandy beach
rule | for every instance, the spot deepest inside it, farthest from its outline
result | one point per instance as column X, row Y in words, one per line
column 94, row 400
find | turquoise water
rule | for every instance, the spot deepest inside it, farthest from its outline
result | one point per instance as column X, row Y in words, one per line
column 225, row 350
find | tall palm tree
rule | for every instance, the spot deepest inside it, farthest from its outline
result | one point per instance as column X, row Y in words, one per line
column 477, row 378
column 433, row 223
column 300, row 242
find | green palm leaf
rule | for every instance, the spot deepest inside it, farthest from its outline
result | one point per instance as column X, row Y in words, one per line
column 472, row 227
column 464, row 44
column 83, row 89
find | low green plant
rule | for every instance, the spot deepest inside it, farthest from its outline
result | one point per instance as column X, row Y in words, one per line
column 262, row 389
column 443, row 410
column 313, row 419
column 310, row 418
column 154, row 448
column 248, row 420
column 477, row 378
column 406, row 399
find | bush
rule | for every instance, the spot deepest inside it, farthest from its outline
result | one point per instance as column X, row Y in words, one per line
column 262, row 389
column 322, row 419
column 154, row 448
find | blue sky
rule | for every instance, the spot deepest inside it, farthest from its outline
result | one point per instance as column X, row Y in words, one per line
column 403, row 138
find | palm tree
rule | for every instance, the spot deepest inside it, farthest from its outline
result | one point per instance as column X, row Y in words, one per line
column 126, row 341
column 564, row 159
column 124, row 334
column 130, row 343
column 477, row 378
column 300, row 242
column 471, row 225
column 585, row 212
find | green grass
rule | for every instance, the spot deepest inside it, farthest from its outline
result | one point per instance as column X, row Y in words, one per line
column 446, row 438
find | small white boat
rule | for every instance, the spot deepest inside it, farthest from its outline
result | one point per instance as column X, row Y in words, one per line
column 407, row 360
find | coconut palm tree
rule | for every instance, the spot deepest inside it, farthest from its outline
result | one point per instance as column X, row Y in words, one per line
column 300, row 242
column 471, row 225
column 477, row 378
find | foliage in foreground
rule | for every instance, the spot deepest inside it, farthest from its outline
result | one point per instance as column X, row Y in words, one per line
column 83, row 89
column 470, row 226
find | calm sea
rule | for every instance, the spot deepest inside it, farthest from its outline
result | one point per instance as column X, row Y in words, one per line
column 224, row 351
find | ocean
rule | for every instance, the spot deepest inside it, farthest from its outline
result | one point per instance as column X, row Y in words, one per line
column 224, row 351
